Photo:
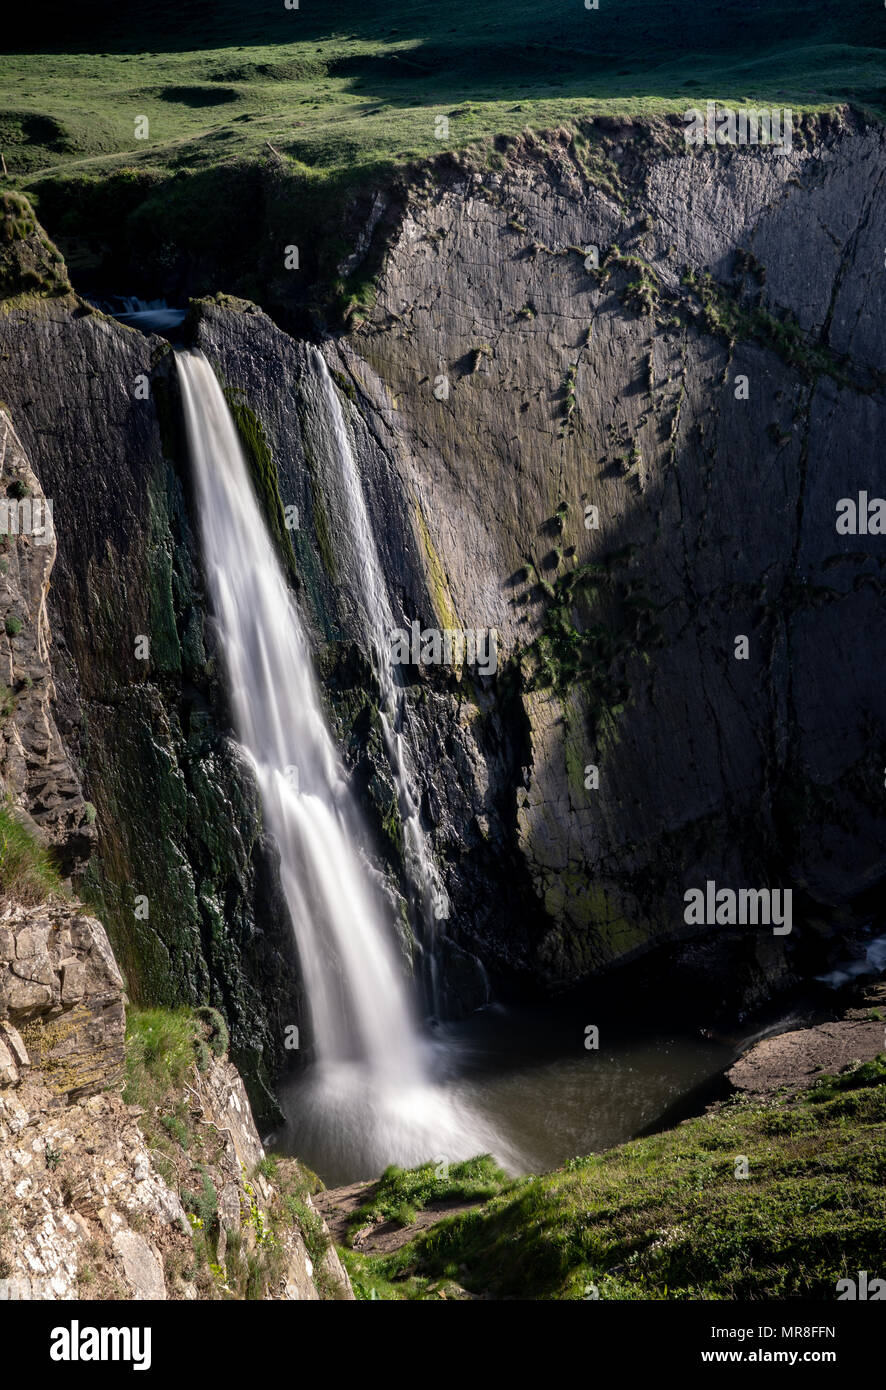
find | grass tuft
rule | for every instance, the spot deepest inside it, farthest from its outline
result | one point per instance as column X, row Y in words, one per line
column 400, row 1192
column 27, row 873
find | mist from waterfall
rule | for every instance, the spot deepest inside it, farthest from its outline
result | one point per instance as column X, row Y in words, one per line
column 369, row 1098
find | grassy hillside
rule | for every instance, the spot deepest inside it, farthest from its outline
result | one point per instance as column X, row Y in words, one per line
column 178, row 149
column 342, row 83
column 669, row 1216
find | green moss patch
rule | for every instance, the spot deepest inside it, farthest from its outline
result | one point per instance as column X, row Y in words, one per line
column 723, row 314
column 264, row 475
column 595, row 618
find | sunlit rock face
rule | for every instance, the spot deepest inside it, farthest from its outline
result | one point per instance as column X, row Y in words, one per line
column 36, row 771
column 89, row 1209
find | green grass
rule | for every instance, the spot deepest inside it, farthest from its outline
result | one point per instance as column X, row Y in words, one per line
column 263, row 123
column 29, row 263
column 342, row 83
column 666, row 1217
column 401, row 1192
column 160, row 1051
column 28, row 875
column 725, row 314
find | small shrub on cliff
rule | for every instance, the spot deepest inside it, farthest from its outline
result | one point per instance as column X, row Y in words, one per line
column 345, row 386
column 216, row 1034
column 355, row 297
column 642, row 294
column 27, row 873
column 203, row 1204
column 159, row 1045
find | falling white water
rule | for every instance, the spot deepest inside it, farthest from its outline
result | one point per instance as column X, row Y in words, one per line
column 369, row 1100
column 371, row 594
column 873, row 962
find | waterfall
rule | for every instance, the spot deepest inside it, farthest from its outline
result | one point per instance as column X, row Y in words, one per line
column 369, row 1098
column 370, row 594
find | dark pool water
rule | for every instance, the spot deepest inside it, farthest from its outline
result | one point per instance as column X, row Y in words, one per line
column 538, row 1094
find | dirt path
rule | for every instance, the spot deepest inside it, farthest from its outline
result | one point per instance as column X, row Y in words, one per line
column 796, row 1059
column 338, row 1204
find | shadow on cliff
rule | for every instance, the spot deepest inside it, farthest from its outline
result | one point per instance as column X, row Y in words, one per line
column 653, row 672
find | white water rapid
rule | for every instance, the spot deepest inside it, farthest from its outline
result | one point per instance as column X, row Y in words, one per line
column 369, row 1098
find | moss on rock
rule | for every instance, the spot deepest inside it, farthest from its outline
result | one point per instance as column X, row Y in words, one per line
column 264, row 476
column 30, row 265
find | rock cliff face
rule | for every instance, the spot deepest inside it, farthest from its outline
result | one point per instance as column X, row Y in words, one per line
column 605, row 403
column 86, row 1211
column 182, row 875
column 35, row 770
column 61, row 1001
column 624, row 470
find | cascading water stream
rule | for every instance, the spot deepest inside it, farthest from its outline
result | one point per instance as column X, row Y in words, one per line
column 371, row 595
column 369, row 1098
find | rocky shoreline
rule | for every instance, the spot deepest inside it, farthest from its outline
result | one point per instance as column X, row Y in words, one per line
column 792, row 1060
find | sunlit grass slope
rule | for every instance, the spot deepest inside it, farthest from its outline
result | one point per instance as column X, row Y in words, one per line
column 342, row 84
column 755, row 1200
